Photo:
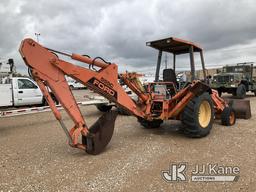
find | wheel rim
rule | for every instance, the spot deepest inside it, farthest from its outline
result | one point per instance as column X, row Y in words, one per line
column 232, row 118
column 205, row 114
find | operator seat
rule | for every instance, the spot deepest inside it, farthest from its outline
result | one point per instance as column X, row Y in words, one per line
column 170, row 76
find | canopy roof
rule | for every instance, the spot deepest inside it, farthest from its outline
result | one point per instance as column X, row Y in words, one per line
column 174, row 45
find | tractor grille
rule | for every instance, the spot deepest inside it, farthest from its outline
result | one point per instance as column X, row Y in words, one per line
column 223, row 79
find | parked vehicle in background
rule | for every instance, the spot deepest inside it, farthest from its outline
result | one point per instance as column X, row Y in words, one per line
column 20, row 91
column 73, row 84
column 236, row 80
column 6, row 68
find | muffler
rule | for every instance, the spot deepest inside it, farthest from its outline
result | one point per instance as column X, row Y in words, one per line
column 100, row 133
column 241, row 107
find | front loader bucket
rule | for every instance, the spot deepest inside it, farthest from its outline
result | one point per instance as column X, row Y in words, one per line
column 241, row 107
column 100, row 133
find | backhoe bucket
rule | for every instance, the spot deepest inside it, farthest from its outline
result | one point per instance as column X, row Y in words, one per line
column 100, row 133
column 241, row 107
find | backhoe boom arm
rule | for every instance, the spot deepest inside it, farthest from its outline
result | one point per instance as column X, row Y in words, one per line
column 48, row 70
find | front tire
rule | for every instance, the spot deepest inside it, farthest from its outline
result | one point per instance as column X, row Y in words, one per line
column 197, row 116
column 241, row 91
column 228, row 116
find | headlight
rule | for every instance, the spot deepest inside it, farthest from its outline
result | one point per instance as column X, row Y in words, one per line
column 231, row 79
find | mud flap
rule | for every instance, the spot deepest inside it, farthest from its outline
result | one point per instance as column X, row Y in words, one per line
column 241, row 107
column 100, row 133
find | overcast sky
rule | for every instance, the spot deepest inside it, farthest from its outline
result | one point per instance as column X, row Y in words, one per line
column 117, row 30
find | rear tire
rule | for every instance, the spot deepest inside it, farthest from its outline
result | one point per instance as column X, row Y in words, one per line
column 150, row 124
column 241, row 91
column 198, row 116
column 103, row 107
column 228, row 116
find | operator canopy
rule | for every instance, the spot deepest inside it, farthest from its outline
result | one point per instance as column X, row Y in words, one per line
column 174, row 45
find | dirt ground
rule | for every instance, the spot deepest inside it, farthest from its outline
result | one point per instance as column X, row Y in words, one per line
column 35, row 156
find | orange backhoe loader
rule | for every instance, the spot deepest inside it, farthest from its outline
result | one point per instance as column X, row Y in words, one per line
column 196, row 104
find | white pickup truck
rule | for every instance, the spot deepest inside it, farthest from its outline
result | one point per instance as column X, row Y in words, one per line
column 20, row 91
column 73, row 84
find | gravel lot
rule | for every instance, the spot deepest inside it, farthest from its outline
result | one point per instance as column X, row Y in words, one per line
column 35, row 156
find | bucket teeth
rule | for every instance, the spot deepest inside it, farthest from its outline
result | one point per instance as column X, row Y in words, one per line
column 100, row 133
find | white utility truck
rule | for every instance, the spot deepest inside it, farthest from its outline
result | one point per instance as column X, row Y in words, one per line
column 20, row 91
column 17, row 91
column 73, row 84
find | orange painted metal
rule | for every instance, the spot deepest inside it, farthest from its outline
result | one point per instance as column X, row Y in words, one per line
column 219, row 103
column 88, row 60
column 180, row 105
column 174, row 45
column 131, row 80
column 49, row 99
column 50, row 71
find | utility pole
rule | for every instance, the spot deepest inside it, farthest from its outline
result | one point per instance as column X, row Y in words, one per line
column 37, row 37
